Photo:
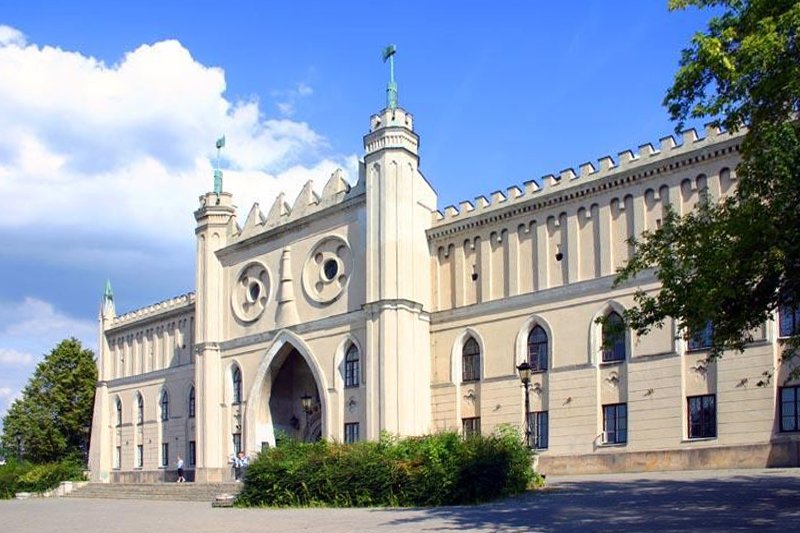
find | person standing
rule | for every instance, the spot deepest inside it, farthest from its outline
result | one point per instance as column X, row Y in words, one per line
column 181, row 479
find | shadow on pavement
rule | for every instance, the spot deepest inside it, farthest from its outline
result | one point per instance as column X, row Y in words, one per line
column 731, row 504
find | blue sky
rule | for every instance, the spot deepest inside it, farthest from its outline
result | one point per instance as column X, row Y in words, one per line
column 109, row 112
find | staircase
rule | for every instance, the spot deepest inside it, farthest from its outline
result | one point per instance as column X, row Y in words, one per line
column 194, row 492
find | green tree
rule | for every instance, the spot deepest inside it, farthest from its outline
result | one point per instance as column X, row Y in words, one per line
column 733, row 261
column 49, row 422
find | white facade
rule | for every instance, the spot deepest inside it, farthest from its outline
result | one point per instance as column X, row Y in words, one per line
column 371, row 304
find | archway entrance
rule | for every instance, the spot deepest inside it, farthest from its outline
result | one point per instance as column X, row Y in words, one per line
column 290, row 403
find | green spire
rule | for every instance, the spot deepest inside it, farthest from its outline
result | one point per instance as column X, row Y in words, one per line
column 217, row 171
column 391, row 87
column 108, row 294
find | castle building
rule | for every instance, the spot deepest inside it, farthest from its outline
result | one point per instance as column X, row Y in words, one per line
column 366, row 309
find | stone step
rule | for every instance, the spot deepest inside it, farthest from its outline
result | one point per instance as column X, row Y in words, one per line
column 156, row 491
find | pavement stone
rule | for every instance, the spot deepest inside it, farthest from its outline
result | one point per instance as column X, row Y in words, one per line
column 722, row 500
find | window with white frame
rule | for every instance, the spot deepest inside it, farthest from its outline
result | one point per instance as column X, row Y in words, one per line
column 788, row 320
column 613, row 332
column 351, row 367
column 471, row 427
column 790, row 408
column 139, row 456
column 615, row 423
column 164, row 454
column 351, row 432
column 702, row 416
column 537, row 349
column 539, row 425
column 471, row 360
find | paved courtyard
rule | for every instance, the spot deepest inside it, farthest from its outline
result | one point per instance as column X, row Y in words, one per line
column 731, row 500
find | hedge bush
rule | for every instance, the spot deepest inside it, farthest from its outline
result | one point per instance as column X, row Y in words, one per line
column 25, row 477
column 441, row 469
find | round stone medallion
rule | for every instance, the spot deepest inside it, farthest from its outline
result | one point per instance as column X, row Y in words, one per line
column 327, row 270
column 250, row 292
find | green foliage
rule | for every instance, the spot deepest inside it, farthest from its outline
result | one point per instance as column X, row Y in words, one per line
column 441, row 469
column 25, row 477
column 48, row 423
column 735, row 260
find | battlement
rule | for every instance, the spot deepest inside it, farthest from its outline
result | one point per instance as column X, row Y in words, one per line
column 308, row 202
column 184, row 300
column 587, row 172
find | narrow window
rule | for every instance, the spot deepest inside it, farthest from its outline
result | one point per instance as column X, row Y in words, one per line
column 537, row 349
column 790, row 408
column 164, row 454
column 702, row 416
column 351, row 432
column 615, row 423
column 613, row 338
column 139, row 409
column 164, row 405
column 119, row 412
column 191, row 402
column 539, row 423
column 351, row 367
column 192, row 453
column 788, row 320
column 471, row 361
column 471, row 427
column 139, row 455
column 118, row 457
column 701, row 340
column 237, row 443
column 237, row 386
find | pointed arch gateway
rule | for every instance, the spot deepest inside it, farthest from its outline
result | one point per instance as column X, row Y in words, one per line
column 286, row 374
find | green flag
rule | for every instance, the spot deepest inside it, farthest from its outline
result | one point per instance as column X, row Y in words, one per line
column 388, row 52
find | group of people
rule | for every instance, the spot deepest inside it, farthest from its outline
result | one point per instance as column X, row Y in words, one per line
column 238, row 462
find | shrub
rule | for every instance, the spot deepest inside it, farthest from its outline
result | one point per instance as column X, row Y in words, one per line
column 441, row 469
column 25, row 477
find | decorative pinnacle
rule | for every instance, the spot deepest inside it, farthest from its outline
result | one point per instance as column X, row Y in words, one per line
column 108, row 294
column 217, row 172
column 391, row 87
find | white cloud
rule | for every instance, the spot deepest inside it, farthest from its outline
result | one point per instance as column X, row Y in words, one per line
column 6, row 392
column 14, row 358
column 124, row 150
column 290, row 98
column 9, row 35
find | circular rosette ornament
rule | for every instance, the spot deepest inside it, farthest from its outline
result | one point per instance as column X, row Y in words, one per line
column 250, row 292
column 327, row 270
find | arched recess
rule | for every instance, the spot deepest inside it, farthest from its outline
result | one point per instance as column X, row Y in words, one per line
column 338, row 361
column 228, row 389
column 456, row 352
column 521, row 344
column 596, row 333
column 258, row 418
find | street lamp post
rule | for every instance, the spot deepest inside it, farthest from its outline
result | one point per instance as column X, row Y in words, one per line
column 524, row 370
column 305, row 401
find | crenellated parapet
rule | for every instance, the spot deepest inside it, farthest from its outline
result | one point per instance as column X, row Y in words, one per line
column 335, row 192
column 646, row 160
column 184, row 301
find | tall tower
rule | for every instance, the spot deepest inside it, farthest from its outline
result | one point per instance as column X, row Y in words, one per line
column 100, row 443
column 400, row 203
column 215, row 218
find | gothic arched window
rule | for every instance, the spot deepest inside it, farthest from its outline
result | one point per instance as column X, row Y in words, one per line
column 614, row 338
column 164, row 405
column 537, row 349
column 351, row 367
column 237, row 386
column 471, row 361
column 119, row 412
column 139, row 409
column 191, row 402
